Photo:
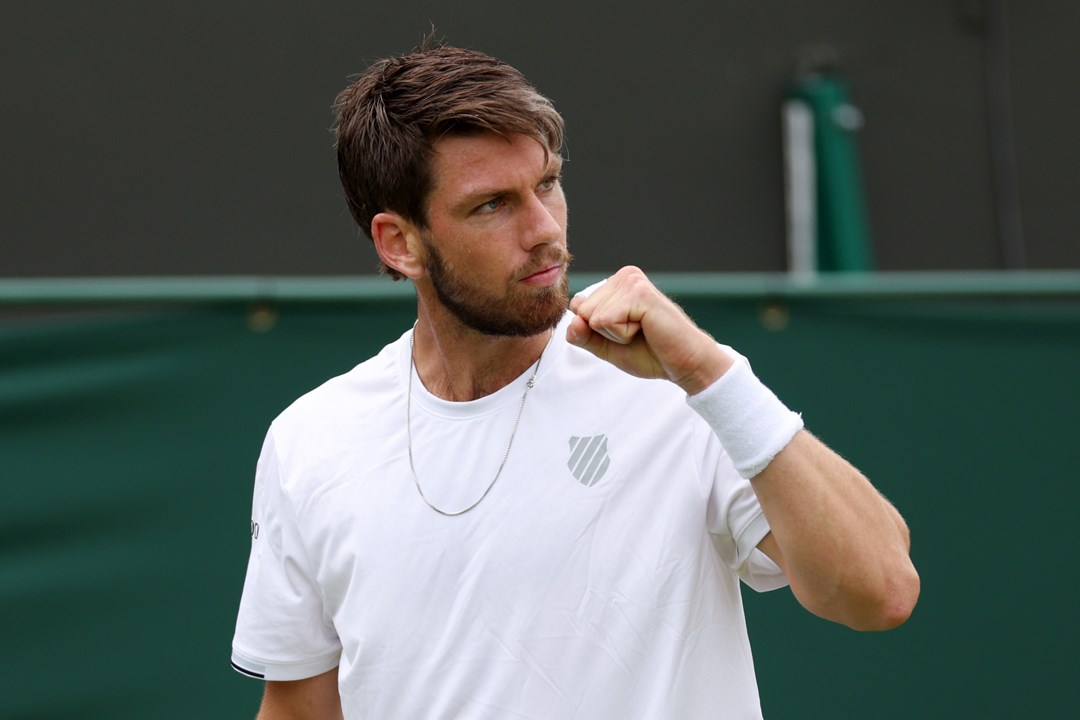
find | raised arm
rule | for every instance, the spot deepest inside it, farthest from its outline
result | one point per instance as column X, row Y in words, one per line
column 314, row 698
column 843, row 547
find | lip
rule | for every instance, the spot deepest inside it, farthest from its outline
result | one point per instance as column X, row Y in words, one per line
column 546, row 277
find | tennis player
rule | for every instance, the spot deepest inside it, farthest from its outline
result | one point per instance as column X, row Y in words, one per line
column 532, row 506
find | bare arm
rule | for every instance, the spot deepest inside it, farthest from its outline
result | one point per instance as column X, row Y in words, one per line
column 314, row 698
column 843, row 546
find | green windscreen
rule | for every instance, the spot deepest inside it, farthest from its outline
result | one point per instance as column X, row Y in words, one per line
column 129, row 432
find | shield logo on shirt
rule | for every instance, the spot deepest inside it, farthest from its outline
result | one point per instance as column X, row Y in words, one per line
column 589, row 458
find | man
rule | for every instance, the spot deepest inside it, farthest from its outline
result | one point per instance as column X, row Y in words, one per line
column 517, row 510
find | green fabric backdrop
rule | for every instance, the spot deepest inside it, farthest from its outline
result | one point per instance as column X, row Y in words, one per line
column 128, row 439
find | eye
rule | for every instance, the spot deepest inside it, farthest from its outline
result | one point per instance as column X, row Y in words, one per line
column 489, row 207
column 550, row 182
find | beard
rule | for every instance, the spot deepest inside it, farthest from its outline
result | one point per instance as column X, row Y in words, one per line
column 516, row 311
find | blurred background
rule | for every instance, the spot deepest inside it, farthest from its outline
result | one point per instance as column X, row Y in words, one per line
column 189, row 137
column 874, row 201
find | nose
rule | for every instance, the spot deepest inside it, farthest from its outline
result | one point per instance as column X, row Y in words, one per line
column 544, row 221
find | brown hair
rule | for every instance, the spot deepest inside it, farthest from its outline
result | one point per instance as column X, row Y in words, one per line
column 389, row 119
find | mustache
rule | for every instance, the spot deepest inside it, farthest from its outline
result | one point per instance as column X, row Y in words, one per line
column 545, row 259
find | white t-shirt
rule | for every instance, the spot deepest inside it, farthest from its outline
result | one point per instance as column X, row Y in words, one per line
column 598, row 579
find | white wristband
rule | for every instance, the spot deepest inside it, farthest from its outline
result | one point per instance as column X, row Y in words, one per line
column 752, row 423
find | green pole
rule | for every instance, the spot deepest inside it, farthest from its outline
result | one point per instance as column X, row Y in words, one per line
column 843, row 232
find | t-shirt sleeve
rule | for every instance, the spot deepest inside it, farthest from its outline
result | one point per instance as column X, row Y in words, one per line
column 283, row 631
column 734, row 517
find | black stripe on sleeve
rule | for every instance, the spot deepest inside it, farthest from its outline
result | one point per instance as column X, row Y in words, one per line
column 247, row 672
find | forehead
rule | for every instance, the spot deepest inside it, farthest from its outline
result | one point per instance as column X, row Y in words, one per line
column 465, row 165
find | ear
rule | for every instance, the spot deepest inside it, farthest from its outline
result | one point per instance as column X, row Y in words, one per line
column 398, row 243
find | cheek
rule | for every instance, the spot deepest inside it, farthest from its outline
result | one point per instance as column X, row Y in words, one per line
column 559, row 210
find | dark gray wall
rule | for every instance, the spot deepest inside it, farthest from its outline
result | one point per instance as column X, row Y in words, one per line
column 177, row 138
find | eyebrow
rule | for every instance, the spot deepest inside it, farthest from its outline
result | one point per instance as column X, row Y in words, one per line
column 474, row 198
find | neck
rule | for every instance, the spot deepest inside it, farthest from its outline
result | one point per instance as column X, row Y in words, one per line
column 458, row 363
